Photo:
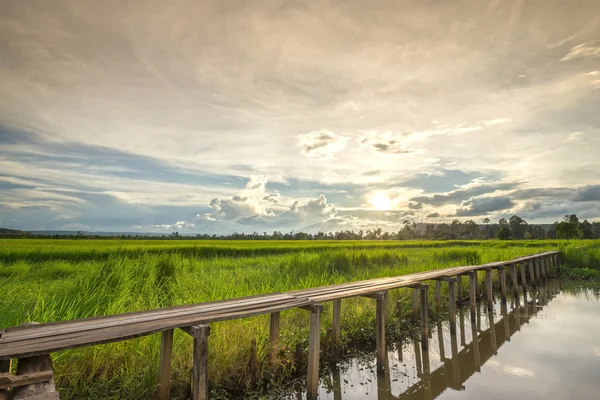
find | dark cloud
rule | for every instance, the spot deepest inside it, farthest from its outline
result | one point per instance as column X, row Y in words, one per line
column 484, row 205
column 587, row 193
column 443, row 180
column 456, row 196
column 526, row 194
column 321, row 143
column 415, row 206
column 433, row 215
column 384, row 143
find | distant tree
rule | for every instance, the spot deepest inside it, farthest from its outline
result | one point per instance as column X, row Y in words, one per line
column 486, row 222
column 586, row 230
column 518, row 226
column 502, row 221
column 504, row 233
column 528, row 236
column 596, row 229
column 568, row 228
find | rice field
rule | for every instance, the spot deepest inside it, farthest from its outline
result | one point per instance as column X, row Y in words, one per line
column 51, row 280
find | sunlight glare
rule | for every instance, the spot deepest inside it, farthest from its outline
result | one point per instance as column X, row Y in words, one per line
column 381, row 202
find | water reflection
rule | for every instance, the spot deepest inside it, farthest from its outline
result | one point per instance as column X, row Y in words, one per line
column 413, row 373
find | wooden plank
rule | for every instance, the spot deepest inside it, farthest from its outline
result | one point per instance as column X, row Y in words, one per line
column 42, row 330
column 44, row 396
column 164, row 366
column 100, row 336
column 8, row 380
column 336, row 320
column 200, row 369
column 314, row 344
column 32, row 365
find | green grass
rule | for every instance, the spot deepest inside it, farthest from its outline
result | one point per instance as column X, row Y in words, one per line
column 52, row 280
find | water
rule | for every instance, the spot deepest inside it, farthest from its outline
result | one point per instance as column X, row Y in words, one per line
column 547, row 346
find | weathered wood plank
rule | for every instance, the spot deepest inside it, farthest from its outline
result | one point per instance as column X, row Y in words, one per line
column 502, row 276
column 488, row 288
column 336, row 321
column 424, row 317
column 164, row 366
column 8, row 380
column 274, row 334
column 200, row 369
column 473, row 294
column 314, row 345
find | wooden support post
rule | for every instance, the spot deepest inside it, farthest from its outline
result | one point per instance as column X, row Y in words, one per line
column 314, row 346
column 438, row 293
column 336, row 320
column 424, row 318
column 415, row 302
column 200, row 334
column 398, row 309
column 488, row 288
column 380, row 329
column 452, row 305
column 548, row 267
column 460, row 288
column 523, row 279
column 513, row 278
column 164, row 366
column 542, row 268
column 477, row 286
column 473, row 293
column 274, row 335
column 5, row 367
column 531, row 274
column 502, row 275
column 537, row 269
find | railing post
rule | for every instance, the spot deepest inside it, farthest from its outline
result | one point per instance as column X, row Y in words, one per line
column 473, row 293
column 415, row 302
column 314, row 347
column 336, row 332
column 502, row 275
column 523, row 278
column 438, row 293
column 164, row 366
column 380, row 329
column 531, row 274
column 460, row 288
column 274, row 334
column 488, row 284
column 538, row 276
column 424, row 318
column 513, row 277
column 200, row 334
column 452, row 305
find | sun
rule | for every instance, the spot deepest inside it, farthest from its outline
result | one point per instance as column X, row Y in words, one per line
column 381, row 202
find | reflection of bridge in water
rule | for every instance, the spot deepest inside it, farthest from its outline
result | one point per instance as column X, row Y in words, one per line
column 456, row 370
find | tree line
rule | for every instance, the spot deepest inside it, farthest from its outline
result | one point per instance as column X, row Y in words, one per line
column 514, row 227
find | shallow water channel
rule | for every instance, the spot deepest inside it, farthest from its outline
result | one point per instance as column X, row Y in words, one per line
column 546, row 345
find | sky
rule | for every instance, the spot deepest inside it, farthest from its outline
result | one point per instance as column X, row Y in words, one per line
column 238, row 116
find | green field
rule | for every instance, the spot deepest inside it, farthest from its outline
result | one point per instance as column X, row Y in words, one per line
column 51, row 280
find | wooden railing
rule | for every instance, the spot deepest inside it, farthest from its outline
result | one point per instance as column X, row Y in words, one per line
column 32, row 343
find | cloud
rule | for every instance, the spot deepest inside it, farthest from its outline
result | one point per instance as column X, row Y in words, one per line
column 483, row 205
column 584, row 50
column 433, row 215
column 272, row 197
column 587, row 193
column 385, row 143
column 475, row 188
column 415, row 206
column 321, row 143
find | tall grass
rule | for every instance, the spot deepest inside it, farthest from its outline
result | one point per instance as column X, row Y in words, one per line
column 51, row 280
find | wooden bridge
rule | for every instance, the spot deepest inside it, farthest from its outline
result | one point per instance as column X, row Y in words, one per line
column 32, row 344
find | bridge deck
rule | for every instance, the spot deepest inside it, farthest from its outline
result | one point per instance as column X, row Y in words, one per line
column 26, row 341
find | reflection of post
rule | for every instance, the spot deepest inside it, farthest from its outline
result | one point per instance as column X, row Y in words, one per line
column 492, row 332
column 337, row 383
column 440, row 333
column 380, row 327
column 383, row 381
column 525, row 305
column 463, row 343
column 479, row 317
column 523, row 280
column 455, row 361
column 475, row 344
column 504, row 311
column 426, row 375
column 473, row 293
column 537, row 269
column 518, row 311
column 418, row 358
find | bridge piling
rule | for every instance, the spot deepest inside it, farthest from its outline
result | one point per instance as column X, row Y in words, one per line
column 502, row 276
column 488, row 288
column 424, row 318
column 452, row 305
column 336, row 332
column 164, row 366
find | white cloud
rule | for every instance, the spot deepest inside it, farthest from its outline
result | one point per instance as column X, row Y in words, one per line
column 583, row 50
